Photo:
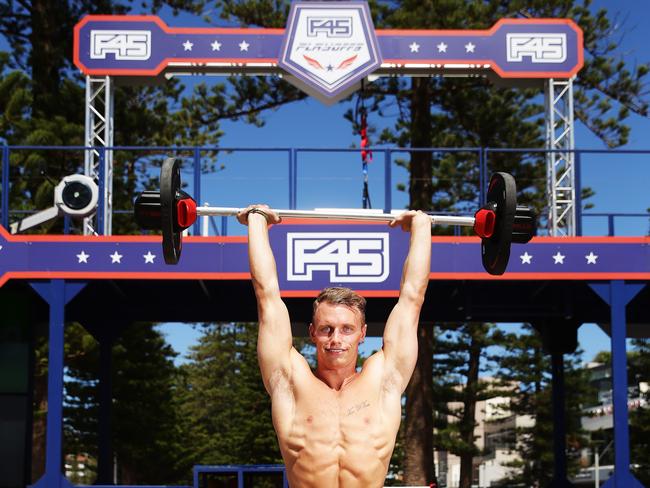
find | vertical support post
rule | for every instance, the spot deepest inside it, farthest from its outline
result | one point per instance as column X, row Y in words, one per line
column 481, row 176
column 4, row 205
column 578, row 184
column 293, row 178
column 559, row 420
column 57, row 293
column 617, row 294
column 196, row 228
column 105, row 454
column 388, row 183
column 99, row 134
column 103, row 193
column 224, row 226
column 560, row 147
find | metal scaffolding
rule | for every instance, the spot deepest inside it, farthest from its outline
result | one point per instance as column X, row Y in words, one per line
column 98, row 161
column 560, row 157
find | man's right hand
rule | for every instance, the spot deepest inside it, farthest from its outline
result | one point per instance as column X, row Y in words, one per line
column 408, row 218
column 261, row 210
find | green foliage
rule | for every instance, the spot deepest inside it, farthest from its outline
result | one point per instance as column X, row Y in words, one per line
column 226, row 410
column 146, row 434
column 460, row 355
column 525, row 373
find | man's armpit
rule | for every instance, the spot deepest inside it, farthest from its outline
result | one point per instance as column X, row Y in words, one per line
column 279, row 382
column 392, row 382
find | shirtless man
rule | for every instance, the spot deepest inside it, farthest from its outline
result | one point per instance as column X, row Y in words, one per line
column 336, row 427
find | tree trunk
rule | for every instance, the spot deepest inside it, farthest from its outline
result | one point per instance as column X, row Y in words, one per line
column 469, row 413
column 39, row 424
column 420, row 185
column 418, row 434
column 49, row 39
column 418, row 452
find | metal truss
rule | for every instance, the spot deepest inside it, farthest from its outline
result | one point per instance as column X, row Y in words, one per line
column 98, row 161
column 560, row 157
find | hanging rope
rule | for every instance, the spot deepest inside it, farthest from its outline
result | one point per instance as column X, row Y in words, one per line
column 366, row 154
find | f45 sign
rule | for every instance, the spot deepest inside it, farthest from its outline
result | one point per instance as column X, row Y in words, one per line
column 346, row 256
column 127, row 45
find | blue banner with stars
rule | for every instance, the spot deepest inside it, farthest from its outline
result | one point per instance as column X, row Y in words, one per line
column 366, row 257
column 146, row 46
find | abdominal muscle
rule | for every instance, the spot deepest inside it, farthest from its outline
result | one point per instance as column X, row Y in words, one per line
column 336, row 438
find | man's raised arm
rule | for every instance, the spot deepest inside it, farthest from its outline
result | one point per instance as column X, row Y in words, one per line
column 274, row 337
column 400, row 334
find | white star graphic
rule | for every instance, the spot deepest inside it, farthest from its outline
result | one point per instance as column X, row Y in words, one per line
column 243, row 46
column 558, row 258
column 442, row 47
column 83, row 257
column 0, row 248
column 415, row 47
column 216, row 46
column 469, row 47
column 148, row 258
column 591, row 258
column 116, row 257
column 187, row 46
column 526, row 258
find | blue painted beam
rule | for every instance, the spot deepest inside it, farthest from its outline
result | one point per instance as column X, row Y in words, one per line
column 617, row 294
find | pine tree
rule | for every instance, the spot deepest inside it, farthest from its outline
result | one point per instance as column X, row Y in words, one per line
column 227, row 409
column 461, row 358
column 146, row 434
column 525, row 371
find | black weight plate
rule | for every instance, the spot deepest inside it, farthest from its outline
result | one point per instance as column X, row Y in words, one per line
column 495, row 251
column 170, row 184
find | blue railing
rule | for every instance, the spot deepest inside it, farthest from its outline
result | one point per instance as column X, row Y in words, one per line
column 295, row 161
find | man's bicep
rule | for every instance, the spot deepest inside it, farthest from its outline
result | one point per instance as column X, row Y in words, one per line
column 401, row 340
column 274, row 340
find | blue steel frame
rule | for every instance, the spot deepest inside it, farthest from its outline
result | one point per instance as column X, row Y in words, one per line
column 239, row 470
column 57, row 293
column 483, row 159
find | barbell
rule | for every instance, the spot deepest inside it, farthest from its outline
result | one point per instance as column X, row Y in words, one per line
column 499, row 222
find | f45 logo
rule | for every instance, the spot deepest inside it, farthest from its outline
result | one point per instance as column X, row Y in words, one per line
column 540, row 48
column 129, row 45
column 330, row 26
column 347, row 256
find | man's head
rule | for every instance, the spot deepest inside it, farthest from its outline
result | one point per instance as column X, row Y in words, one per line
column 338, row 326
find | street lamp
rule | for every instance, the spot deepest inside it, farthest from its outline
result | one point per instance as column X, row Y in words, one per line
column 597, row 462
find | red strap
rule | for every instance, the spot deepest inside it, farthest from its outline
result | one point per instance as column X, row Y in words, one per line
column 366, row 156
column 484, row 222
column 185, row 212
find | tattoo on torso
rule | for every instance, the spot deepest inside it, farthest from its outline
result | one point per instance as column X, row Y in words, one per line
column 356, row 408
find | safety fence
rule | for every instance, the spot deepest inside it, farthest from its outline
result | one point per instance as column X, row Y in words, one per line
column 288, row 177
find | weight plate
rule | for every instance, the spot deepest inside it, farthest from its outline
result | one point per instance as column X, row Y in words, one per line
column 170, row 184
column 495, row 250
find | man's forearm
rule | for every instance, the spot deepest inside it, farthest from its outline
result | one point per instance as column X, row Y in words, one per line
column 260, row 256
column 415, row 276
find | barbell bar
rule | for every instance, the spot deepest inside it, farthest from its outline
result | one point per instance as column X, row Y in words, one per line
column 499, row 223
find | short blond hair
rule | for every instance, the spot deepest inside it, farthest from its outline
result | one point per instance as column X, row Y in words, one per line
column 336, row 295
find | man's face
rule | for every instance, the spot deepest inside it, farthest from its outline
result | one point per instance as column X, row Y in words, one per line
column 336, row 332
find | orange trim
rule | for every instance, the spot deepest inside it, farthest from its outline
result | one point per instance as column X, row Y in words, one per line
column 150, row 275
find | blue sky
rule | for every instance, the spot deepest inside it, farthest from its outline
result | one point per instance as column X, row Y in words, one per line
column 620, row 184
